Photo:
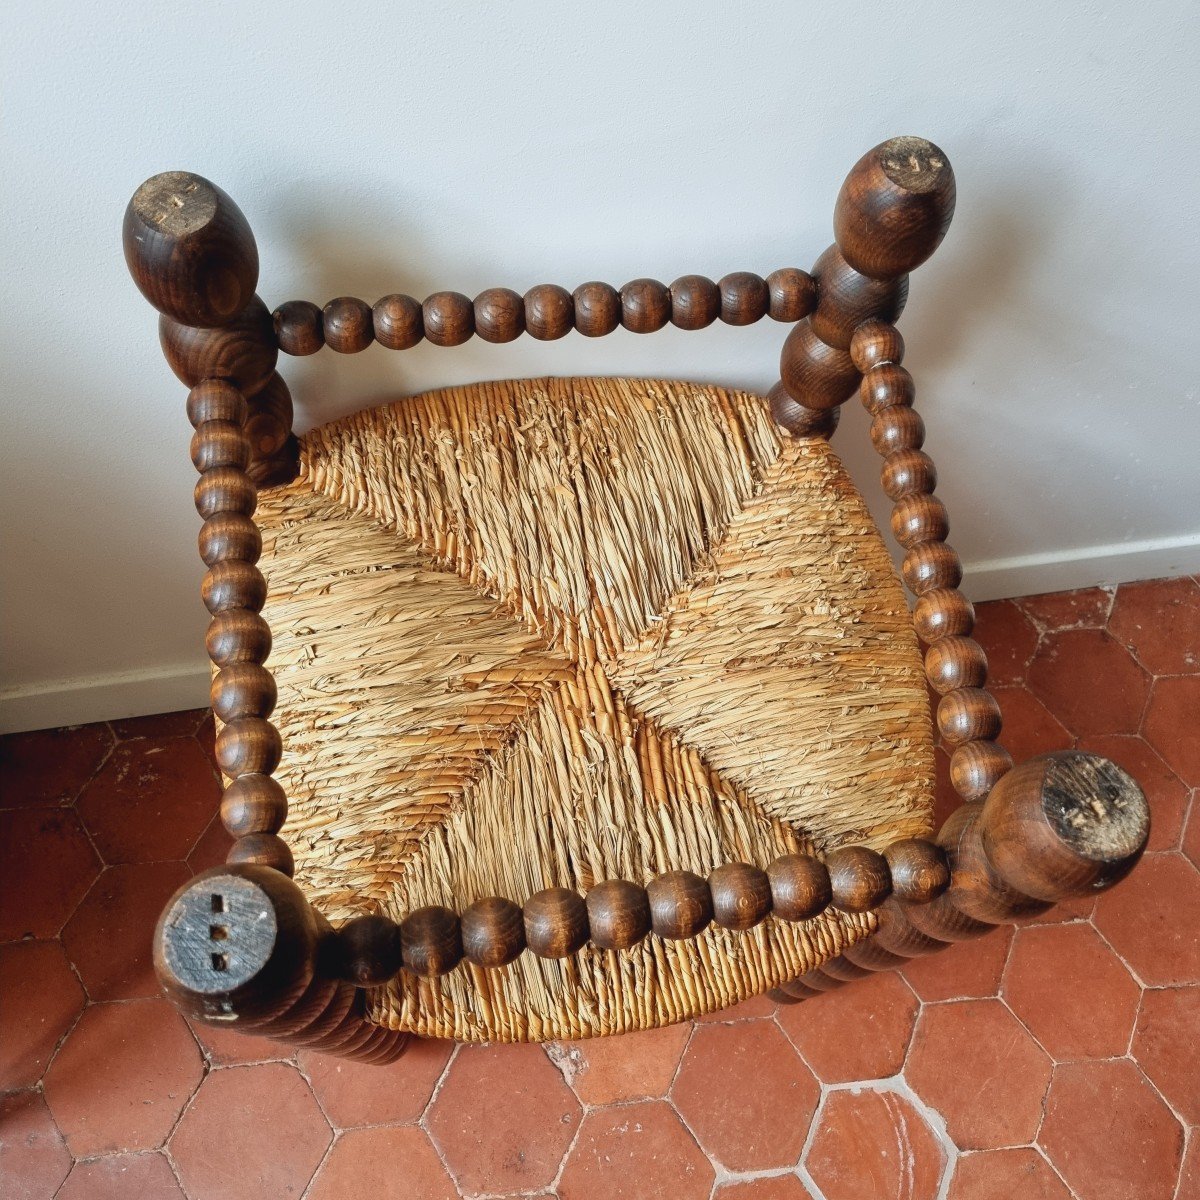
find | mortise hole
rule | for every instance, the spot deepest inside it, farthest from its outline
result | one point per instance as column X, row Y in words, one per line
column 217, row 933
column 220, row 962
column 218, row 903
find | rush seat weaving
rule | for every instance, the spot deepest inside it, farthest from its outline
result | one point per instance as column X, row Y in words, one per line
column 544, row 633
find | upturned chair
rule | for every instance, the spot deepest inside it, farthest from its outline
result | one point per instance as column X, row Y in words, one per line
column 598, row 704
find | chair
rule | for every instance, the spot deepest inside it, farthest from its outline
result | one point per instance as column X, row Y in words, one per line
column 597, row 702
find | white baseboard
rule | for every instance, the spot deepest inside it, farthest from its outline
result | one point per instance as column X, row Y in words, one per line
column 185, row 685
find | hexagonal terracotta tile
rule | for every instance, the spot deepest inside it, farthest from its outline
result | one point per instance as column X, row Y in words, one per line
column 637, row 1066
column 251, row 1132
column 151, row 800
column 1153, row 920
column 212, row 847
column 1085, row 608
column 1170, row 725
column 1159, row 620
column 379, row 1164
column 46, row 865
column 975, row 1063
column 637, row 1149
column 122, row 1077
column 1030, row 728
column 1008, row 637
column 1189, row 1173
column 34, row 1160
column 967, row 971
column 41, row 998
column 746, row 1095
column 1020, row 1174
column 503, row 1118
column 161, row 725
column 109, row 936
column 1191, row 830
column 1165, row 791
column 50, row 767
column 1090, row 682
column 757, row 1006
column 874, row 1143
column 1071, row 991
column 765, row 1187
column 225, row 1047
column 1109, row 1134
column 880, row 1010
column 1167, row 1048
column 120, row 1177
column 359, row 1094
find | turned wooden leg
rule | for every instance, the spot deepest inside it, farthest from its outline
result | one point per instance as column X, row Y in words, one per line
column 240, row 947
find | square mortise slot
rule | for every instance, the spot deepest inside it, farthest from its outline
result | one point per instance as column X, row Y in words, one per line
column 220, row 962
column 217, row 933
column 218, row 903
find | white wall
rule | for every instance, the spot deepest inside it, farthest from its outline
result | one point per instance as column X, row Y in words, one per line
column 405, row 147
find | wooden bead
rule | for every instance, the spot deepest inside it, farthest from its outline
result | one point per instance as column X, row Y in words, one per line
column 645, row 305
column 431, row 941
column 942, row 920
column 858, row 877
column 597, row 309
column 248, row 746
column 229, row 536
column 695, row 302
column 847, row 298
column 955, row 662
column 917, row 519
column 918, row 868
column 908, row 472
column 225, row 490
column 800, row 887
column 189, row 249
column 818, row 981
column 741, row 895
column 618, row 914
column 968, row 715
column 279, row 469
column 975, row 768
column 870, row 954
column 219, row 444
column 556, row 922
column 681, row 905
column 299, row 327
column 886, row 386
column 398, row 321
column 499, row 317
column 1064, row 824
column 841, row 968
column 237, row 635
column 243, row 690
column 269, row 419
column 449, row 318
column 895, row 207
column 242, row 352
column 798, row 420
column 930, row 565
column 349, row 324
column 368, row 951
column 897, row 428
column 895, row 932
column 943, row 612
column 263, row 850
column 795, row 991
column 744, row 298
column 493, row 931
column 875, row 342
column 549, row 312
column 815, row 374
column 215, row 400
column 792, row 294
column 253, row 804
column 233, row 583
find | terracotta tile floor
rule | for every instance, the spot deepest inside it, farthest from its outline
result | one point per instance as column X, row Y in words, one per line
column 1059, row 1059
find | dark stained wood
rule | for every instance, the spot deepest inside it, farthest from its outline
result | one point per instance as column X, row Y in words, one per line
column 243, row 690
column 895, row 207
column 499, row 316
column 968, row 715
column 253, row 804
column 897, row 428
column 493, row 932
column 871, row 955
column 741, row 895
column 919, row 868
column 695, row 302
column 597, row 308
column 234, row 583
column 215, row 400
column 556, row 922
column 844, row 969
column 919, row 518
column 237, row 635
column 846, row 299
column 299, row 327
column 248, row 746
column 449, row 318
column 549, row 312
column 745, row 298
column 269, row 420
column 225, row 490
column 896, row 934
column 349, row 324
column 368, row 950
column 189, row 249
column 618, row 914
column 800, row 887
column 262, row 850
column 681, row 905
column 645, row 305
column 242, row 352
column 885, row 386
column 431, row 941
column 955, row 662
column 858, row 877
column 229, row 536
column 875, row 342
column 815, row 374
column 975, row 767
column 943, row 612
column 929, row 565
column 907, row 473
column 799, row 420
column 792, row 294
column 398, row 322
column 279, row 469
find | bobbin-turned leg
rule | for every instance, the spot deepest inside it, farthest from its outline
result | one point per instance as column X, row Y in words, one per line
column 240, row 947
column 1061, row 825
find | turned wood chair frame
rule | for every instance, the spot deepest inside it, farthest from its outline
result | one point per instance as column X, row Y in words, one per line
column 241, row 945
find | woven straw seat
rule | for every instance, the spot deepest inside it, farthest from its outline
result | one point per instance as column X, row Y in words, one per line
column 543, row 633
